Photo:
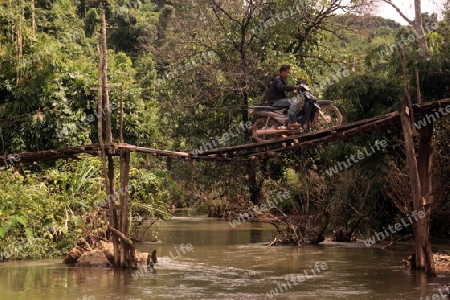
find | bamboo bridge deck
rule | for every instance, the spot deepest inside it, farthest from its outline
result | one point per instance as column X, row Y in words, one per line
column 390, row 121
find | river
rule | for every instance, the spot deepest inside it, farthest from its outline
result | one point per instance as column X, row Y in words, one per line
column 202, row 258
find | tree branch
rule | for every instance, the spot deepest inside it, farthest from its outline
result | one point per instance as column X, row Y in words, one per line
column 216, row 5
column 396, row 240
column 399, row 11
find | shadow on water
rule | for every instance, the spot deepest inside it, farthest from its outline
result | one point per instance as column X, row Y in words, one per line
column 228, row 263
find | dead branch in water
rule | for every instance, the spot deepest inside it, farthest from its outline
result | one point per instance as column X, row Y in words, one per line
column 396, row 240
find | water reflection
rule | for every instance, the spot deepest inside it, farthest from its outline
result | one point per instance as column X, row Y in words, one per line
column 256, row 233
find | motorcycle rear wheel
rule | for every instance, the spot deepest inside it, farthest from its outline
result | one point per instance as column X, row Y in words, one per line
column 265, row 123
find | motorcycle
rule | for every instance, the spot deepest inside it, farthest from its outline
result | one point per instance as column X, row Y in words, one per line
column 270, row 123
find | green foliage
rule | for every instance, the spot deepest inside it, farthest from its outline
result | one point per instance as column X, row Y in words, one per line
column 44, row 206
column 155, row 191
column 365, row 96
column 50, row 206
column 91, row 22
column 51, row 83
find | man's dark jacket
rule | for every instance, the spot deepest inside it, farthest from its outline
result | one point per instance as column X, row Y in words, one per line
column 278, row 90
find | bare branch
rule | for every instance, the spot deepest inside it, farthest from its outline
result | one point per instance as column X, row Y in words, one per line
column 399, row 11
column 229, row 16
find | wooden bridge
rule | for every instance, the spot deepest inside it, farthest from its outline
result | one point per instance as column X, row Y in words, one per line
column 390, row 121
column 119, row 224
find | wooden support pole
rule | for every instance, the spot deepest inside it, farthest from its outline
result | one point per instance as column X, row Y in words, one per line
column 110, row 186
column 99, row 124
column 121, row 113
column 408, row 107
column 112, row 191
column 127, row 255
column 425, row 165
column 419, row 93
column 419, row 176
column 100, row 100
column 411, row 165
column 105, row 90
column 124, row 196
column 113, row 220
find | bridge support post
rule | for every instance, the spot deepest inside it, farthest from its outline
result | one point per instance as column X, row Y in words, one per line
column 420, row 180
column 425, row 165
column 113, row 221
column 119, row 221
column 127, row 253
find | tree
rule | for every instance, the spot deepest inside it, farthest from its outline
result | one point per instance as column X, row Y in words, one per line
column 416, row 23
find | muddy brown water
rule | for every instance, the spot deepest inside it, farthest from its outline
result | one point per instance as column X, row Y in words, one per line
column 228, row 263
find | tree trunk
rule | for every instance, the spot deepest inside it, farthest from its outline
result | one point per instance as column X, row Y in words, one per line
column 254, row 185
column 33, row 20
column 417, row 23
column 419, row 27
column 19, row 30
column 244, row 84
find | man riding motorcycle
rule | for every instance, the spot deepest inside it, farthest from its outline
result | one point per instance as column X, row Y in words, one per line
column 277, row 96
column 273, row 122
